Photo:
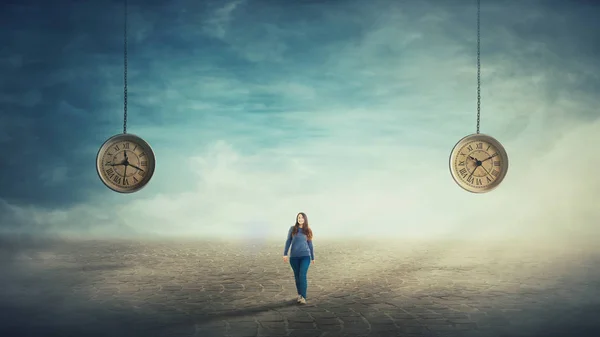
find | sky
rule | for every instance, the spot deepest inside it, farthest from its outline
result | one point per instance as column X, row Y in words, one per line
column 259, row 109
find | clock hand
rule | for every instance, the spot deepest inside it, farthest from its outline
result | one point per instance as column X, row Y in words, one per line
column 486, row 171
column 125, row 172
column 123, row 162
column 490, row 157
column 472, row 158
column 472, row 172
column 126, row 160
column 135, row 167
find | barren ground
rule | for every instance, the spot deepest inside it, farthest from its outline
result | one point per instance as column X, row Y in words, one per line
column 368, row 288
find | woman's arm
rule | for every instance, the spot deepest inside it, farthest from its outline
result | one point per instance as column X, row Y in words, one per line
column 312, row 253
column 288, row 242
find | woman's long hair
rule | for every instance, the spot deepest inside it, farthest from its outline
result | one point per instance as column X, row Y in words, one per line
column 306, row 229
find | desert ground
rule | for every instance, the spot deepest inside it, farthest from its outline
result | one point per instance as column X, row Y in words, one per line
column 359, row 288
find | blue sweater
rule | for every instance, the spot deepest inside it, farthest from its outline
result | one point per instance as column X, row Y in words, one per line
column 300, row 245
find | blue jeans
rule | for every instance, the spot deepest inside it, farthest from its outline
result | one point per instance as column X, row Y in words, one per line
column 300, row 266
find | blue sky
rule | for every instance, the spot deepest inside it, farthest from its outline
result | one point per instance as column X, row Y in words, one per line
column 257, row 110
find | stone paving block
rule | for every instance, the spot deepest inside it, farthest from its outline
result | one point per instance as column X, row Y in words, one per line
column 327, row 321
column 222, row 289
column 305, row 333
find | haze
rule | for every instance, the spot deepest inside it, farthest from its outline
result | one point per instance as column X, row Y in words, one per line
column 258, row 110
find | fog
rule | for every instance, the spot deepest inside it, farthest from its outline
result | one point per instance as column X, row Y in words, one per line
column 357, row 135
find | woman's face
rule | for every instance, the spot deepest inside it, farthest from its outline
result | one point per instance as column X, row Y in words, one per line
column 300, row 219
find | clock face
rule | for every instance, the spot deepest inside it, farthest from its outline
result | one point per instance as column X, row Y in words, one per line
column 125, row 163
column 478, row 163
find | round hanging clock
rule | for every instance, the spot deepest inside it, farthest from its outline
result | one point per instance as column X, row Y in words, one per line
column 125, row 163
column 478, row 163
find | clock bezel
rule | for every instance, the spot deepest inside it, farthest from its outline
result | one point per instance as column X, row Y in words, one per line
column 126, row 138
column 473, row 138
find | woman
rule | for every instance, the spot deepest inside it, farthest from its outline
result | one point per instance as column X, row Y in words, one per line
column 300, row 238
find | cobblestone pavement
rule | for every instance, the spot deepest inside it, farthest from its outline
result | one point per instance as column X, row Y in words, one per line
column 203, row 289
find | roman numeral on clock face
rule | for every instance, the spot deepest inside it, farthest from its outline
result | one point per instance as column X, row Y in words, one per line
column 117, row 179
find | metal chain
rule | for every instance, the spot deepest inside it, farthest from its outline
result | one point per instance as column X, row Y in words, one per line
column 478, row 65
column 125, row 72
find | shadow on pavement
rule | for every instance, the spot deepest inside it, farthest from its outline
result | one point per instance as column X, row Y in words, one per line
column 50, row 307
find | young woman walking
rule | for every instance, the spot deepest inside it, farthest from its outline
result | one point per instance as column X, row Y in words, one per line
column 301, row 255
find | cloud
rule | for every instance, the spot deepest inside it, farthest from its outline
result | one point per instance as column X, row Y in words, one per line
column 253, row 35
column 348, row 114
column 544, row 194
column 218, row 24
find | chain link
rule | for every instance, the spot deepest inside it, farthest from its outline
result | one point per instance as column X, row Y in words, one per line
column 478, row 64
column 125, row 72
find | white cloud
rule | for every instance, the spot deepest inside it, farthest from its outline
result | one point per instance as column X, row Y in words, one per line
column 359, row 140
column 409, row 192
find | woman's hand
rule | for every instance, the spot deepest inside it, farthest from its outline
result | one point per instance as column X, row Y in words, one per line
column 313, row 261
column 285, row 258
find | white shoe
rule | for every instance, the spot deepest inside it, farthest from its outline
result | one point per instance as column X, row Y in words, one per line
column 302, row 300
column 298, row 298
